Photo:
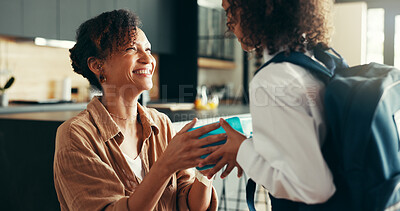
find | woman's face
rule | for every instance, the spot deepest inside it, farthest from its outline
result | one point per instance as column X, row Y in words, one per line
column 235, row 26
column 131, row 68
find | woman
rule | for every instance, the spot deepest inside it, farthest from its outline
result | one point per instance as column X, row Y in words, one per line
column 285, row 101
column 117, row 154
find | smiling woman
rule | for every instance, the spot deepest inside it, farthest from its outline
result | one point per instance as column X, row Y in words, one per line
column 118, row 154
column 129, row 69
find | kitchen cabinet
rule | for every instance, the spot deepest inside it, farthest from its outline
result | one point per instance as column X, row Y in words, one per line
column 27, row 151
column 40, row 18
column 98, row 6
column 25, row 18
column 72, row 14
column 178, row 70
column 157, row 17
column 213, row 43
column 11, row 17
column 60, row 19
column 216, row 50
column 132, row 5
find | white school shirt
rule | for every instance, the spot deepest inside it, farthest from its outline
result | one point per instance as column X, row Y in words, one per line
column 288, row 130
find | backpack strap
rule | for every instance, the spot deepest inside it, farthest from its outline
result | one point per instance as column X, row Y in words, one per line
column 250, row 192
column 324, row 73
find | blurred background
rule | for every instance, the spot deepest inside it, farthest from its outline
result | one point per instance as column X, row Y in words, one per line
column 201, row 72
column 189, row 40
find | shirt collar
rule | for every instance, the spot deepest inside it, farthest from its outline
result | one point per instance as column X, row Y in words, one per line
column 107, row 127
column 147, row 121
column 268, row 57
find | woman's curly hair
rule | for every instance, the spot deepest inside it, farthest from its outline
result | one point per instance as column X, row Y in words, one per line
column 295, row 24
column 101, row 36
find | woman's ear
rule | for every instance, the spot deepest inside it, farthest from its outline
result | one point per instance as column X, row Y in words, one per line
column 95, row 65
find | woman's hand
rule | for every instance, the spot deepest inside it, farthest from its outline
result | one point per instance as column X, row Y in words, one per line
column 185, row 149
column 226, row 154
column 182, row 152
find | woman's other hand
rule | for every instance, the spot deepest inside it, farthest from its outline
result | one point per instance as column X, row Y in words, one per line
column 185, row 149
column 226, row 154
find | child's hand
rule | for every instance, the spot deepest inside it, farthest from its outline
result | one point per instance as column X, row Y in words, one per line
column 226, row 154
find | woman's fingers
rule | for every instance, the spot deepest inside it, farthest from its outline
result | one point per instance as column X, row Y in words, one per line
column 211, row 139
column 227, row 171
column 208, row 150
column 203, row 130
column 188, row 126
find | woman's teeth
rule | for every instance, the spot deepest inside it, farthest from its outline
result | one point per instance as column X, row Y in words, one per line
column 147, row 72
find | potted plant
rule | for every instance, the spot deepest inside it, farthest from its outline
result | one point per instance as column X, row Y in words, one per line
column 3, row 94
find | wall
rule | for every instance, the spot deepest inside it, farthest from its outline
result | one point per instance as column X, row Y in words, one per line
column 350, row 32
column 39, row 71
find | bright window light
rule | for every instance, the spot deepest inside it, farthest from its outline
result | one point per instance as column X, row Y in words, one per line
column 53, row 43
column 375, row 34
column 397, row 42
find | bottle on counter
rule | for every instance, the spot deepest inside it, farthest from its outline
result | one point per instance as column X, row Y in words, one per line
column 75, row 94
column 203, row 102
column 66, row 89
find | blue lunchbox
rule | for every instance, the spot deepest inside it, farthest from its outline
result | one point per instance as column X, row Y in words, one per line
column 234, row 122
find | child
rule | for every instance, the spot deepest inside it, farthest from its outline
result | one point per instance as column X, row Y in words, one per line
column 285, row 101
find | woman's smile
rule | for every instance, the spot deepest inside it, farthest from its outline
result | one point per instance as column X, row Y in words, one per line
column 145, row 72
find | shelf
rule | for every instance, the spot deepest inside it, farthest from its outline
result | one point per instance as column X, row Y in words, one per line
column 215, row 64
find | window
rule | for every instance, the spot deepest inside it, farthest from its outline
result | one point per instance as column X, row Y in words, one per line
column 215, row 47
column 375, row 34
column 397, row 42
column 212, row 40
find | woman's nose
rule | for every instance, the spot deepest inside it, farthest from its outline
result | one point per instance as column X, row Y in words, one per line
column 145, row 57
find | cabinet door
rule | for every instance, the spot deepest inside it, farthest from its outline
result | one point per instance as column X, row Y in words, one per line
column 11, row 17
column 132, row 5
column 157, row 18
column 40, row 18
column 96, row 7
column 72, row 14
column 166, row 26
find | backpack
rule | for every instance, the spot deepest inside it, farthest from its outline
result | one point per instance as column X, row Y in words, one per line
column 362, row 112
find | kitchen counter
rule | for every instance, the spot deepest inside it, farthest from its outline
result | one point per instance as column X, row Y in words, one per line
column 62, row 112
column 19, row 108
column 222, row 110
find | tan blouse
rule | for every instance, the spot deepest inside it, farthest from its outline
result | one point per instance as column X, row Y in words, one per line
column 91, row 173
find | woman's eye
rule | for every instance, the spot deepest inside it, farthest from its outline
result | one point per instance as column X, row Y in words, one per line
column 131, row 49
column 148, row 50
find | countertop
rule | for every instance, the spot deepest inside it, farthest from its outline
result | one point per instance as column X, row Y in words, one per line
column 62, row 112
column 20, row 108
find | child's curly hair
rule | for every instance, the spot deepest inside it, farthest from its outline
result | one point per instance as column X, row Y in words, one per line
column 99, row 37
column 295, row 24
